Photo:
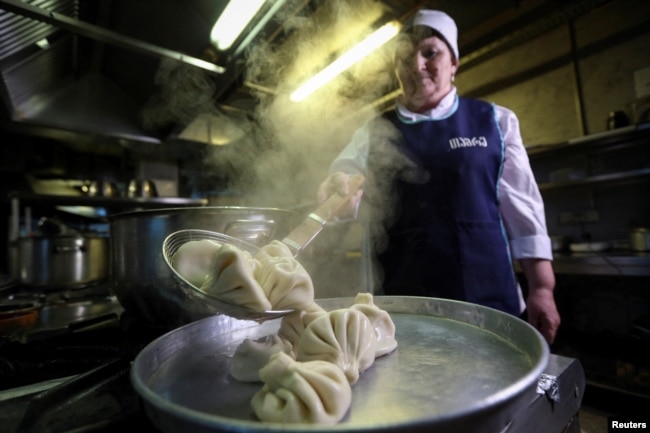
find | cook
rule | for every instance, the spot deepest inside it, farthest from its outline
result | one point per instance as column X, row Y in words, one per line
column 466, row 201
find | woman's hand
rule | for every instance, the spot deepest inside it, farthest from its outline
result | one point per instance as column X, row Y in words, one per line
column 540, row 303
column 339, row 183
column 542, row 313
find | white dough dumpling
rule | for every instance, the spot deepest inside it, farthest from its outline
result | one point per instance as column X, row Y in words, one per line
column 251, row 355
column 344, row 337
column 381, row 322
column 285, row 281
column 274, row 248
column 271, row 280
column 293, row 324
column 193, row 260
column 315, row 392
column 231, row 279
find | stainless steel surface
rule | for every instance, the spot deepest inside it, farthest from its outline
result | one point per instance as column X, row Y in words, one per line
column 54, row 317
column 458, row 367
column 546, row 415
column 200, row 302
column 65, row 260
column 61, row 319
column 141, row 279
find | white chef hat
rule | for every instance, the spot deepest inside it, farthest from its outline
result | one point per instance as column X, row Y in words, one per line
column 440, row 22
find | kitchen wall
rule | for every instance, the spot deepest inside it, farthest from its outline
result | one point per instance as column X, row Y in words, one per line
column 548, row 81
column 563, row 84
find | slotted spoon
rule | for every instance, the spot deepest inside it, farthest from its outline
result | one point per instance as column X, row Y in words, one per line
column 297, row 240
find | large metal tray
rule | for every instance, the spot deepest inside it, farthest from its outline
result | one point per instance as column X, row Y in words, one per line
column 459, row 367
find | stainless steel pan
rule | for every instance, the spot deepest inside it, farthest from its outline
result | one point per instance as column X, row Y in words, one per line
column 459, row 367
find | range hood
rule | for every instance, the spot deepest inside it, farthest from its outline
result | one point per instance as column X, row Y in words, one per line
column 49, row 90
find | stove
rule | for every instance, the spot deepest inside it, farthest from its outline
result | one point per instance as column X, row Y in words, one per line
column 70, row 371
column 100, row 400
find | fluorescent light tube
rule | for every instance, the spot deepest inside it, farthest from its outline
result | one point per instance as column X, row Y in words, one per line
column 276, row 6
column 355, row 54
column 233, row 21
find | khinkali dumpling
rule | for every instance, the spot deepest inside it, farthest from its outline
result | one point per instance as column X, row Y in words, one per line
column 193, row 260
column 293, row 324
column 301, row 392
column 251, row 355
column 231, row 279
column 285, row 282
column 344, row 337
column 381, row 322
column 274, row 248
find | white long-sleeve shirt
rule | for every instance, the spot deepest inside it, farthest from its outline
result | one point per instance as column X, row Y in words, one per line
column 520, row 201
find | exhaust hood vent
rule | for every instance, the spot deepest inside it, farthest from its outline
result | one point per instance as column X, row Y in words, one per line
column 18, row 33
column 47, row 95
column 29, row 64
column 212, row 129
column 28, row 80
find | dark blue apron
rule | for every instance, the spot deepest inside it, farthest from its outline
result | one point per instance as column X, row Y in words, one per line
column 447, row 239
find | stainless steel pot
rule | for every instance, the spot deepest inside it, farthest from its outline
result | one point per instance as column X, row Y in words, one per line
column 62, row 260
column 144, row 188
column 103, row 188
column 142, row 281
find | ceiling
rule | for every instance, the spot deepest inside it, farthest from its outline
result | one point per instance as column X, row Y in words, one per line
column 143, row 70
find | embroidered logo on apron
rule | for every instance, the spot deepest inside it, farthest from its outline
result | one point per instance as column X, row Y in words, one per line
column 458, row 142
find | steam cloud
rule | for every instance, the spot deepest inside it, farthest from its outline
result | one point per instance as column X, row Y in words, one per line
column 304, row 137
column 286, row 147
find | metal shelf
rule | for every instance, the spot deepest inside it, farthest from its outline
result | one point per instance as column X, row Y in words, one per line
column 96, row 209
column 114, row 203
column 613, row 263
column 619, row 138
column 598, row 179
